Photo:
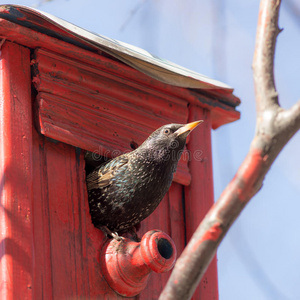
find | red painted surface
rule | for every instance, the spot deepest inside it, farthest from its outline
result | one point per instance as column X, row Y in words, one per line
column 67, row 245
column 212, row 234
column 16, row 174
column 220, row 104
column 199, row 196
column 90, row 108
column 49, row 247
column 126, row 264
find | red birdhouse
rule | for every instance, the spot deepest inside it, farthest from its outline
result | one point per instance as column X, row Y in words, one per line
column 66, row 92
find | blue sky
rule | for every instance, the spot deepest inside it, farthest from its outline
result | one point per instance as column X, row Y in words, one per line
column 259, row 258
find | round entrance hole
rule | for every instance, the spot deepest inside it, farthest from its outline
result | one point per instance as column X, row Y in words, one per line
column 165, row 248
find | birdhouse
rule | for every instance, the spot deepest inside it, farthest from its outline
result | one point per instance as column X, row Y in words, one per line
column 70, row 98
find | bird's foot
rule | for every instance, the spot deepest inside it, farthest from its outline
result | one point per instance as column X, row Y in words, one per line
column 114, row 235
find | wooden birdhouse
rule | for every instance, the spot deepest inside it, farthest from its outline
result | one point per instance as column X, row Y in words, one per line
column 66, row 92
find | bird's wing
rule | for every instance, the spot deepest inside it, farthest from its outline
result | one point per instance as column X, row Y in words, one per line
column 103, row 175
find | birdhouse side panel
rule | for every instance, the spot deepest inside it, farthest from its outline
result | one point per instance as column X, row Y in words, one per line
column 16, row 175
column 199, row 195
column 168, row 217
column 66, row 243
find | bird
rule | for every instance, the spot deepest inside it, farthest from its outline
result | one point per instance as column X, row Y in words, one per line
column 127, row 189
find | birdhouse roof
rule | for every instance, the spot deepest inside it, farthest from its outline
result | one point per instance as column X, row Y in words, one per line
column 137, row 58
column 39, row 30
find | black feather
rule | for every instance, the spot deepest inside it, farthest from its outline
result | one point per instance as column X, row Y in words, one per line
column 125, row 190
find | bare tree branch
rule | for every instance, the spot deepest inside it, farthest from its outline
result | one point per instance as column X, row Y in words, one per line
column 274, row 127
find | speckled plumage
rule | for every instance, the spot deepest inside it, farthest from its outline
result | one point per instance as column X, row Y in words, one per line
column 125, row 190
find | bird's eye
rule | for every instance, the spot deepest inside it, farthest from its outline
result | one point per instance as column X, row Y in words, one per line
column 167, row 131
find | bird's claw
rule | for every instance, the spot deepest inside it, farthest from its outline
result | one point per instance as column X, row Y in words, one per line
column 117, row 237
column 114, row 235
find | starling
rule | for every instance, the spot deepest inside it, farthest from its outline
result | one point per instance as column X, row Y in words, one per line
column 125, row 190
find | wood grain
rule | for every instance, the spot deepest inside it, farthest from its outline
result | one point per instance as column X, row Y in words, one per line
column 16, row 175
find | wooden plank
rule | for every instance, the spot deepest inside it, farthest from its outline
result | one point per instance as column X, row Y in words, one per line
column 89, row 108
column 80, row 76
column 177, row 221
column 66, row 226
column 168, row 217
column 63, row 227
column 16, row 177
column 67, row 244
column 159, row 219
column 41, row 220
column 199, row 196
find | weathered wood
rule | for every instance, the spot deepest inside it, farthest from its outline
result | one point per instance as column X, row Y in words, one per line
column 199, row 196
column 92, row 109
column 177, row 218
column 16, row 176
column 43, row 285
column 169, row 217
column 221, row 104
column 159, row 219
column 66, row 242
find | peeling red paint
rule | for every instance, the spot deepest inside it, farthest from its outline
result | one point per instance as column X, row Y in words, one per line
column 212, row 234
column 252, row 164
column 248, row 173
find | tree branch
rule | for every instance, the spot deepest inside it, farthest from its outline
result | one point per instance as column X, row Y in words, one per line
column 263, row 61
column 274, row 127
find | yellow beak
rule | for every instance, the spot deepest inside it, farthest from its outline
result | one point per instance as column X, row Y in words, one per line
column 188, row 127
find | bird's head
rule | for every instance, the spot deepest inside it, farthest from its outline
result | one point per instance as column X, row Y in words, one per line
column 168, row 139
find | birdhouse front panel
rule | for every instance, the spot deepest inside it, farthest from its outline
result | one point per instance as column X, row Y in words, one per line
column 97, row 109
column 68, row 101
